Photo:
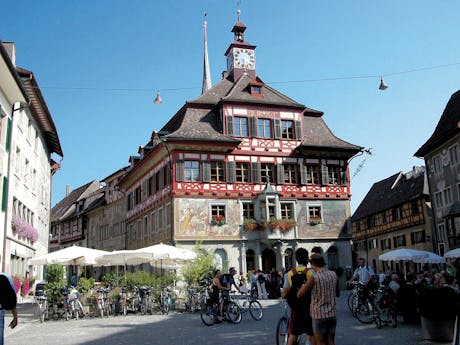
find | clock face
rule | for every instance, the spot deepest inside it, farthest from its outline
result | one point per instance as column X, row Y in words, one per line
column 244, row 58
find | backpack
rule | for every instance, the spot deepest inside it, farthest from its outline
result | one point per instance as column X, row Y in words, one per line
column 7, row 294
column 303, row 303
column 261, row 278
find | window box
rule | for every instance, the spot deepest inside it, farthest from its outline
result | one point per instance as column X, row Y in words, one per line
column 286, row 224
column 315, row 221
column 218, row 220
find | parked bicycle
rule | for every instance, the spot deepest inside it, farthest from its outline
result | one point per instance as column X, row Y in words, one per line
column 165, row 300
column 145, row 294
column 103, row 302
column 192, row 302
column 386, row 311
column 123, row 301
column 42, row 305
column 248, row 303
column 74, row 305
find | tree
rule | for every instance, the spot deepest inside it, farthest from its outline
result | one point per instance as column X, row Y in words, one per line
column 200, row 268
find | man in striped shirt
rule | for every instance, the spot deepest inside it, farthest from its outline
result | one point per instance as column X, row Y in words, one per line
column 325, row 288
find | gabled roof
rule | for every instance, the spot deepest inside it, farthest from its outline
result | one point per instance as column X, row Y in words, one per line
column 447, row 127
column 66, row 205
column 318, row 135
column 393, row 191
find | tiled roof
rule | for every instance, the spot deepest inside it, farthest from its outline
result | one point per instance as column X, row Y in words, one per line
column 227, row 90
column 447, row 127
column 199, row 124
column 318, row 134
column 61, row 209
column 391, row 192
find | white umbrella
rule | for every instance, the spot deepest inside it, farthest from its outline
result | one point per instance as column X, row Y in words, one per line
column 73, row 255
column 123, row 257
column 168, row 253
column 432, row 258
column 454, row 253
column 403, row 254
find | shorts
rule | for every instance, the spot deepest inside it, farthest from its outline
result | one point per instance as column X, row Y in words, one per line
column 300, row 323
column 325, row 326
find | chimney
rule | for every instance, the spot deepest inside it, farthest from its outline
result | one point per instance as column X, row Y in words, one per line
column 11, row 50
column 67, row 189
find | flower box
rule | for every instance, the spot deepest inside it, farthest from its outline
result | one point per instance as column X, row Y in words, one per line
column 218, row 220
column 286, row 224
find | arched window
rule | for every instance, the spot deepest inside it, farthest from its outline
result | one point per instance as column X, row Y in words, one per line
column 221, row 259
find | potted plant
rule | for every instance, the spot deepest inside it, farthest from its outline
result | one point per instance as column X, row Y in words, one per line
column 218, row 220
column 287, row 224
column 315, row 221
column 274, row 223
column 437, row 307
column 250, row 224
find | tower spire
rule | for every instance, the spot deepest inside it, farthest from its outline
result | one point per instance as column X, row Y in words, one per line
column 206, row 72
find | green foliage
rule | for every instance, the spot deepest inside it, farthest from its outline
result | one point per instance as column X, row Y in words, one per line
column 200, row 268
column 84, row 285
column 111, row 279
column 55, row 281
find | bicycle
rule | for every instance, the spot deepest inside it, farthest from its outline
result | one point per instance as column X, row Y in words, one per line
column 74, row 305
column 250, row 304
column 366, row 310
column 146, row 302
column 123, row 301
column 386, row 311
column 282, row 327
column 192, row 302
column 103, row 302
column 165, row 300
column 209, row 314
column 42, row 305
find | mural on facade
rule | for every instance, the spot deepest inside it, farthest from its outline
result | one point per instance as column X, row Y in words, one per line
column 335, row 215
column 195, row 220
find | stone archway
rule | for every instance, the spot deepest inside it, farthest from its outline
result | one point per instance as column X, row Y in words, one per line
column 268, row 260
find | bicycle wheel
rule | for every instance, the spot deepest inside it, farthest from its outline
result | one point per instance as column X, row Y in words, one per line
column 256, row 310
column 394, row 318
column 365, row 312
column 41, row 311
column 233, row 312
column 208, row 315
column 143, row 308
column 282, row 331
column 352, row 302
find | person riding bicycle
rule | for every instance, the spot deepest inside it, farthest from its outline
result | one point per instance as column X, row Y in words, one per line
column 364, row 273
column 227, row 281
column 215, row 293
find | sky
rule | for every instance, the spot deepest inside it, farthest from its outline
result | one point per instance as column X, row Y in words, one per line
column 100, row 63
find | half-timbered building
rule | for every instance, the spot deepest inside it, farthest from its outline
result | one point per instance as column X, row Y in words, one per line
column 247, row 171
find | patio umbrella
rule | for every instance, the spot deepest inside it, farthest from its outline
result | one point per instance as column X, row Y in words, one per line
column 168, row 253
column 73, row 255
column 123, row 258
column 454, row 253
column 432, row 258
column 403, row 254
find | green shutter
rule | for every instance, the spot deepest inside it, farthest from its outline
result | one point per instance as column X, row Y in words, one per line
column 4, row 193
column 277, row 127
column 324, row 175
column 230, row 171
column 206, row 171
column 255, row 170
column 179, row 171
column 298, row 130
column 8, row 135
column 253, row 126
column 229, row 122
column 303, row 174
column 280, row 173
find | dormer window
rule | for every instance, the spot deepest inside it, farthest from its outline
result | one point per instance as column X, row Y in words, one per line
column 256, row 90
column 255, row 87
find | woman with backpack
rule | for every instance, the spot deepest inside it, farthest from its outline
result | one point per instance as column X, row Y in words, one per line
column 7, row 302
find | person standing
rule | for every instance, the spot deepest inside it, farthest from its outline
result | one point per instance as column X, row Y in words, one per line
column 363, row 273
column 8, row 298
column 260, row 280
column 324, row 288
column 300, row 321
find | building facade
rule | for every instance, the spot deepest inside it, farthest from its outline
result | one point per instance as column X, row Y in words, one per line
column 395, row 213
column 243, row 153
column 31, row 139
column 442, row 159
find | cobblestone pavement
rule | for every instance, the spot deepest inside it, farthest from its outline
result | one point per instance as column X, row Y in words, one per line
column 186, row 328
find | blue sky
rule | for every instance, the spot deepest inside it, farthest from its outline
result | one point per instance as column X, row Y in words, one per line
column 81, row 50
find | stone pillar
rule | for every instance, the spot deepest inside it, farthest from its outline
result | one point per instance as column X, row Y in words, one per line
column 258, row 256
column 243, row 249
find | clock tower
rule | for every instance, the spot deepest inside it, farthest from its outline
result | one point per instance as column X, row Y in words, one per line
column 240, row 54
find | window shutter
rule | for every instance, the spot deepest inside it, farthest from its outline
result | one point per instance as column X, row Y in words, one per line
column 229, row 122
column 8, row 135
column 162, row 178
column 230, row 171
column 280, row 173
column 298, row 130
column 179, row 171
column 277, row 128
column 255, row 170
column 206, row 171
column 144, row 189
column 4, row 190
column 423, row 236
column 253, row 126
column 303, row 173
column 344, row 177
column 324, row 175
column 412, row 238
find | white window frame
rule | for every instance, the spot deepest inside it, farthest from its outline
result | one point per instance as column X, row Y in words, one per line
column 320, row 211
